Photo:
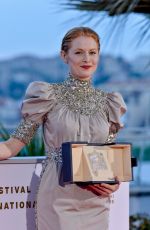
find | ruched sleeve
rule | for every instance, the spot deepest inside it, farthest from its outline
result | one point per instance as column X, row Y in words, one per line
column 39, row 100
column 116, row 107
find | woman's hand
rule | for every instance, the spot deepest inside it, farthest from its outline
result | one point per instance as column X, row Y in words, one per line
column 102, row 189
column 10, row 148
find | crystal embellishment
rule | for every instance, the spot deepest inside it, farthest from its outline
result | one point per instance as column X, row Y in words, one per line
column 111, row 138
column 25, row 131
column 80, row 96
column 55, row 154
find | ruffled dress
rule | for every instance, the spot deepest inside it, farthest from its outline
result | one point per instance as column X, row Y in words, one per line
column 69, row 111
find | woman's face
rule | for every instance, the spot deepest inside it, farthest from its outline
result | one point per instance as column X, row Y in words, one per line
column 82, row 57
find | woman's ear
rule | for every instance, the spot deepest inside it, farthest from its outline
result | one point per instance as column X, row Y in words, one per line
column 64, row 56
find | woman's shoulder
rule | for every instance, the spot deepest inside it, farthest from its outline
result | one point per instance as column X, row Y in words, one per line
column 39, row 89
column 114, row 104
column 108, row 94
column 116, row 101
column 111, row 97
column 39, row 99
column 39, row 85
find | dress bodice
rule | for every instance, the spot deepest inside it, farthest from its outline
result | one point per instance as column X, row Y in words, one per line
column 70, row 111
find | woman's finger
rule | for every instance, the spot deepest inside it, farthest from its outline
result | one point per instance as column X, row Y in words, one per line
column 101, row 189
column 95, row 190
column 110, row 187
column 98, row 190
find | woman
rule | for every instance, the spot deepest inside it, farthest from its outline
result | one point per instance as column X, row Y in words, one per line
column 70, row 111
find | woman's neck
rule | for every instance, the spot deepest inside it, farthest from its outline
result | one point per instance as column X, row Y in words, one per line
column 82, row 79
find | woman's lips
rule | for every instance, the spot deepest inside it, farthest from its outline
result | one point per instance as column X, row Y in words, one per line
column 86, row 66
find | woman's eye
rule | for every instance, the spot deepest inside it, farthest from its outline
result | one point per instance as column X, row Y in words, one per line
column 78, row 52
column 92, row 52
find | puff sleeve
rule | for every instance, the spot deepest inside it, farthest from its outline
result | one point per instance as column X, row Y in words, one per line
column 116, row 107
column 39, row 100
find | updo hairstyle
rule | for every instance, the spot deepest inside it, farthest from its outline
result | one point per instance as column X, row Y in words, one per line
column 77, row 32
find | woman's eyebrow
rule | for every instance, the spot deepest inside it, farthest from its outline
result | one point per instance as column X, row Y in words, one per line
column 83, row 49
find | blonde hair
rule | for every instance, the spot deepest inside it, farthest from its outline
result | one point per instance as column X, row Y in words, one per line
column 77, row 32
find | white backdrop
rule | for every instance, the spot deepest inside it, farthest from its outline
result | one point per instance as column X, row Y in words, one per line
column 19, row 179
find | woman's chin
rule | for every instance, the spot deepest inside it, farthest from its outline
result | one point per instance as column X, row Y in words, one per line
column 84, row 77
column 81, row 76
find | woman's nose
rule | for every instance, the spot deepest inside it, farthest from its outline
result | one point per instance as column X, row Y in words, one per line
column 86, row 57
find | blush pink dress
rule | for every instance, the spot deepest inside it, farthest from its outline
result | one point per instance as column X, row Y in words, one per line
column 69, row 111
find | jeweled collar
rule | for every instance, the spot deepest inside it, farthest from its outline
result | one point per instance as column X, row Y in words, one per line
column 79, row 96
column 77, row 84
